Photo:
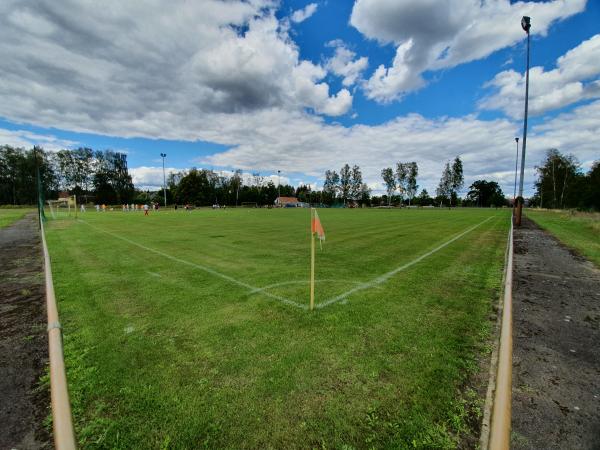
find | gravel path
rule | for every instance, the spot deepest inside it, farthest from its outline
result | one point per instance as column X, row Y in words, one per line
column 23, row 341
column 556, row 359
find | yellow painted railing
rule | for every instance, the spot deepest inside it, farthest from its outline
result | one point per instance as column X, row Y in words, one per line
column 62, row 422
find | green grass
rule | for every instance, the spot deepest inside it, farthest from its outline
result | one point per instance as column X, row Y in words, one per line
column 9, row 216
column 580, row 231
column 163, row 354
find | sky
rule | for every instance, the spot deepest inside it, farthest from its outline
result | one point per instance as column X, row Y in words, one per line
column 301, row 87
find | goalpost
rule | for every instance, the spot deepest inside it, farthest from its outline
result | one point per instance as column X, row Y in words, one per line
column 63, row 207
column 249, row 205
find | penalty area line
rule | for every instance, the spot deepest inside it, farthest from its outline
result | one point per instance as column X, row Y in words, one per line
column 213, row 272
column 386, row 276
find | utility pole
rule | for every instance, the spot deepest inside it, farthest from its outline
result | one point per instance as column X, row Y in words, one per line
column 526, row 25
column 164, row 155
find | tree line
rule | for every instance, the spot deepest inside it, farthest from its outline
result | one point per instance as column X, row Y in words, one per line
column 561, row 183
column 103, row 177
column 100, row 176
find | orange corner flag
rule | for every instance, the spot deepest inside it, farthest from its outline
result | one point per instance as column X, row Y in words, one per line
column 316, row 227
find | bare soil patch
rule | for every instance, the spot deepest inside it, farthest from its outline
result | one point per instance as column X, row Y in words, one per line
column 556, row 358
column 23, row 340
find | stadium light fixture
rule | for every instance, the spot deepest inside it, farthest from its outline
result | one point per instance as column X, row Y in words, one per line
column 526, row 25
column 164, row 155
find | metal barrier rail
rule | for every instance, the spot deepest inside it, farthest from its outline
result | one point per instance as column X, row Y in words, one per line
column 501, row 413
column 62, row 422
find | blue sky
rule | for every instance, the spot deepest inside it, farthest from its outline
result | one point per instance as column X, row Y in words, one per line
column 303, row 86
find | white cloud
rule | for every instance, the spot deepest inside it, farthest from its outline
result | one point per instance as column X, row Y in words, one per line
column 27, row 139
column 301, row 15
column 145, row 177
column 345, row 64
column 576, row 77
column 297, row 143
column 303, row 144
column 127, row 68
column 433, row 35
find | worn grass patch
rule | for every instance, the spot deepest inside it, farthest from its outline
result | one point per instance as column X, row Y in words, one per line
column 580, row 231
column 175, row 338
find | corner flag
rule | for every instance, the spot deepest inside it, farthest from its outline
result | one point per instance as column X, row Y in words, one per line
column 315, row 228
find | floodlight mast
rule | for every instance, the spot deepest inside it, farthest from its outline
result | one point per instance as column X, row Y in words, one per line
column 526, row 25
column 516, row 169
column 164, row 155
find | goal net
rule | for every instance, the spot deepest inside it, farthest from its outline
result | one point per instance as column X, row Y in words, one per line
column 249, row 205
column 63, row 207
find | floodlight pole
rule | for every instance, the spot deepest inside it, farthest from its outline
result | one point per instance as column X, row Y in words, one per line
column 526, row 25
column 279, row 188
column 516, row 167
column 38, row 184
column 164, row 155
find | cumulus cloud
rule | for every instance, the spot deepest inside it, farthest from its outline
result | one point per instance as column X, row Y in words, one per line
column 27, row 139
column 308, row 145
column 301, row 15
column 345, row 64
column 127, row 68
column 432, row 35
column 576, row 77
column 297, row 143
column 151, row 178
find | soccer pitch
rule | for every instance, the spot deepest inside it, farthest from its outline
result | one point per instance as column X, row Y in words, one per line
column 191, row 329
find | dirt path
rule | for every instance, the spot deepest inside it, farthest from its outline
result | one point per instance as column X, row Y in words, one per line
column 556, row 375
column 23, row 342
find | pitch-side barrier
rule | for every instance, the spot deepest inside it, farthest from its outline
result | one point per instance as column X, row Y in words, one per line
column 498, row 437
column 62, row 421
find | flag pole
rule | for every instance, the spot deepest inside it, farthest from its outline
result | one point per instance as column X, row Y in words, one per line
column 312, row 260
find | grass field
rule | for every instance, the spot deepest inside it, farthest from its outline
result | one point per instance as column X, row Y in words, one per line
column 9, row 215
column 190, row 330
column 580, row 231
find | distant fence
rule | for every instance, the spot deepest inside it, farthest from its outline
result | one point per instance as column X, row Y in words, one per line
column 62, row 422
column 499, row 435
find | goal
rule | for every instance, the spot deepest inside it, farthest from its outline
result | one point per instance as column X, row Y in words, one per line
column 63, row 207
column 249, row 205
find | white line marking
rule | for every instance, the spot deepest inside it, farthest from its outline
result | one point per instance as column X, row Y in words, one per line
column 386, row 276
column 287, row 283
column 201, row 267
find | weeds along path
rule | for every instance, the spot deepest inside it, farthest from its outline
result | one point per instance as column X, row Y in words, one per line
column 23, row 340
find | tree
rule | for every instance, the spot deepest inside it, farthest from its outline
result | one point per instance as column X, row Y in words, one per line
column 444, row 189
column 356, row 184
column 485, row 194
column 457, row 178
column 236, row 183
column 365, row 194
column 591, row 192
column 402, row 178
column 411, row 181
column 330, row 186
column 389, row 180
column 556, row 176
column 424, row 199
column 345, row 182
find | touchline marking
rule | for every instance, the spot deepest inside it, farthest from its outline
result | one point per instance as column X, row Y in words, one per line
column 201, row 267
column 386, row 276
